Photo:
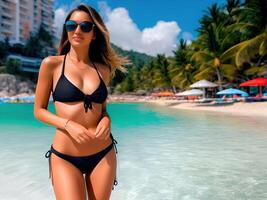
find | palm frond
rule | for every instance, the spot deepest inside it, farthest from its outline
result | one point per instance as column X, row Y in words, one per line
column 263, row 46
column 241, row 27
column 252, row 71
column 243, row 51
column 250, row 49
column 228, row 71
column 201, row 56
column 263, row 71
column 204, row 74
column 231, row 52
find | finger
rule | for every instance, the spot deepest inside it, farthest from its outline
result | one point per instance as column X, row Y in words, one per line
column 108, row 134
column 78, row 141
column 83, row 136
column 105, row 133
column 89, row 134
column 99, row 132
column 101, row 135
column 81, row 139
column 86, row 135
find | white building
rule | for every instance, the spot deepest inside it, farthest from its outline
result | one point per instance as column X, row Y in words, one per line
column 18, row 18
column 26, row 64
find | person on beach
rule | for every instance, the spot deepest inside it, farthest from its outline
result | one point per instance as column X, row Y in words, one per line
column 82, row 157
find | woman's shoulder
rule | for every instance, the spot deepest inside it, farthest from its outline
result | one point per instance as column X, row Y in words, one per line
column 53, row 61
column 50, row 63
column 104, row 71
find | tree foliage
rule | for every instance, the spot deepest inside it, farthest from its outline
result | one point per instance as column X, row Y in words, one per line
column 230, row 48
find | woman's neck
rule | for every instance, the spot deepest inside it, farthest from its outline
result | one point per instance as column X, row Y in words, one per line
column 79, row 55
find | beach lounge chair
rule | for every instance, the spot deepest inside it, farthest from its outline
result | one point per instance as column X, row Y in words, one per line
column 255, row 99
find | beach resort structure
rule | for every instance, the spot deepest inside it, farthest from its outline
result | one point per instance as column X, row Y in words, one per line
column 18, row 18
column 26, row 64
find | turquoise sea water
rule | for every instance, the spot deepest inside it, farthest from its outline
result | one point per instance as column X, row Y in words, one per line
column 163, row 154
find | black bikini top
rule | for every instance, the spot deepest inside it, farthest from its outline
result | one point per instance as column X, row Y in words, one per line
column 66, row 91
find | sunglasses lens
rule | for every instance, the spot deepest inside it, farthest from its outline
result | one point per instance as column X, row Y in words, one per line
column 86, row 26
column 71, row 25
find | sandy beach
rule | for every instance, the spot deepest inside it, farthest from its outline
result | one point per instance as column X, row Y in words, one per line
column 238, row 108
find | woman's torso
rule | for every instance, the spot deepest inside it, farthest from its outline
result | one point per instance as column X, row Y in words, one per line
column 87, row 80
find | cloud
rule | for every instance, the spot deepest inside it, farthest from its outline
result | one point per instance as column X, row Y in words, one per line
column 104, row 9
column 124, row 32
column 60, row 15
column 187, row 36
column 159, row 39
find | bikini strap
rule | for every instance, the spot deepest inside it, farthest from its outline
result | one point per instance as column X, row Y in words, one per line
column 114, row 142
column 115, row 182
column 96, row 70
column 48, row 155
column 63, row 64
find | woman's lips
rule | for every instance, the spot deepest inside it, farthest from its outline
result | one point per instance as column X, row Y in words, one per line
column 77, row 39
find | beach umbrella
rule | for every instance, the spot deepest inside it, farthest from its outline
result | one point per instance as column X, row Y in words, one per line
column 163, row 94
column 255, row 82
column 193, row 92
column 232, row 91
column 203, row 84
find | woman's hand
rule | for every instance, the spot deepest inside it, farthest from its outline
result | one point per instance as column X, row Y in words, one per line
column 78, row 132
column 103, row 128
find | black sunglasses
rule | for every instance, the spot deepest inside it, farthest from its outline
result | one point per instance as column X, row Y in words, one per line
column 85, row 26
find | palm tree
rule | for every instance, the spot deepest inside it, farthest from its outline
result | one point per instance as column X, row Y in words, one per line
column 161, row 77
column 208, row 58
column 255, row 11
column 253, row 51
column 146, row 76
column 181, row 71
column 212, row 15
column 232, row 6
column 245, row 51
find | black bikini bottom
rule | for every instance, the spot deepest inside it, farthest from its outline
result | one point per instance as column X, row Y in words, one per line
column 85, row 164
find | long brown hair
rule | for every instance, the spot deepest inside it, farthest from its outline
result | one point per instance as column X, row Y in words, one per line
column 102, row 51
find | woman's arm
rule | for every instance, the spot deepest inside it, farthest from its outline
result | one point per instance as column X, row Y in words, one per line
column 104, row 111
column 103, row 127
column 42, row 94
column 106, row 75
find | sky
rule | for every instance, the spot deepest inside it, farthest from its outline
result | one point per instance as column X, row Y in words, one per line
column 147, row 26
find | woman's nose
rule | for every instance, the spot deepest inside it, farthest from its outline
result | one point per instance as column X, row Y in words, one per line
column 78, row 29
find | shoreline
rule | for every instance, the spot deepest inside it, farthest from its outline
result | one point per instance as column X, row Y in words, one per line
column 255, row 109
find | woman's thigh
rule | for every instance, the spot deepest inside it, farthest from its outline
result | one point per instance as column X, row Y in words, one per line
column 68, row 181
column 100, row 181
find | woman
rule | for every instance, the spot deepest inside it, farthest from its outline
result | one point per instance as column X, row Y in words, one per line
column 83, row 144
